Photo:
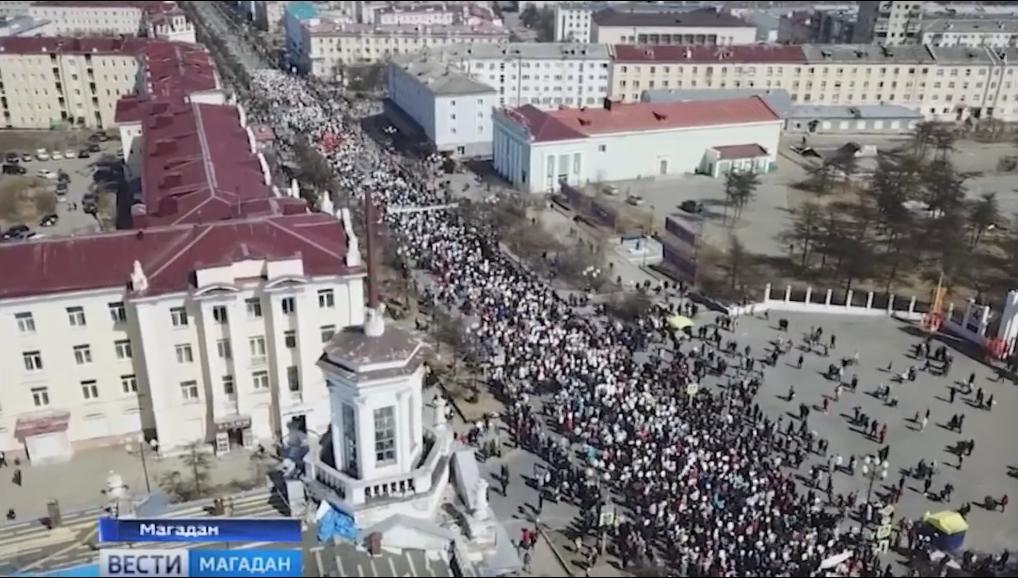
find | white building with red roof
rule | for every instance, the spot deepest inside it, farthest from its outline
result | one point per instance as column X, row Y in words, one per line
column 536, row 150
column 204, row 332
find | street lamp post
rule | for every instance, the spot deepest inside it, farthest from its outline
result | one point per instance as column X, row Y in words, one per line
column 142, row 446
column 873, row 470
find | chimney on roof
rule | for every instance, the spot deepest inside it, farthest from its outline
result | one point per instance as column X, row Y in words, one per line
column 607, row 103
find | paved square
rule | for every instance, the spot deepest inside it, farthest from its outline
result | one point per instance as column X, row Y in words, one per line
column 880, row 341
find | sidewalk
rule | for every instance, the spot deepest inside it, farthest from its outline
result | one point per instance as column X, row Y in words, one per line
column 78, row 484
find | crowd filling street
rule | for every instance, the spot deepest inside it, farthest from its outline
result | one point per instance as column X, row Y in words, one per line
column 703, row 480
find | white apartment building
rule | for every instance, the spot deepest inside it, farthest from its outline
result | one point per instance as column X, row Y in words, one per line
column 546, row 75
column 947, row 84
column 194, row 333
column 703, row 26
column 90, row 18
column 268, row 14
column 450, row 93
column 171, row 25
column 573, row 22
column 889, row 22
column 325, row 47
column 981, row 32
column 453, row 110
column 46, row 82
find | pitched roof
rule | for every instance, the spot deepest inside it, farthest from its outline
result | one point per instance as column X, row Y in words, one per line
column 698, row 18
column 168, row 255
column 706, row 54
column 575, row 123
column 197, row 165
column 68, row 45
column 177, row 68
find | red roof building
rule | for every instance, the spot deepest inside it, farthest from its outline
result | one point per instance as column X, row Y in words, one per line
column 169, row 255
column 198, row 165
column 540, row 150
column 576, row 123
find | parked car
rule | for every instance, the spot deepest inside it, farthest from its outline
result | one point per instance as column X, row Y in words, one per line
column 56, row 155
column 692, row 207
column 42, row 156
column 49, row 220
column 84, row 154
column 27, row 158
column 61, row 187
column 103, row 137
column 635, row 200
column 69, row 153
column 63, row 176
column 10, row 169
column 611, row 190
column 16, row 232
column 94, row 148
column 48, row 174
column 13, row 157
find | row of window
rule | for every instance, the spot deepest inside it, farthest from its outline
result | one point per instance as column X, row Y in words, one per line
column 184, row 353
column 89, row 390
column 178, row 315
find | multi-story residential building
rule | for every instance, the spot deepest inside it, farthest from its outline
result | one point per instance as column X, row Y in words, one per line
column 573, row 21
column 702, row 26
column 954, row 83
column 52, row 81
column 889, row 22
column 204, row 332
column 205, row 324
column 170, row 24
column 268, row 14
column 440, row 89
column 159, row 19
column 545, row 75
column 418, row 13
column 996, row 33
column 325, row 47
column 453, row 110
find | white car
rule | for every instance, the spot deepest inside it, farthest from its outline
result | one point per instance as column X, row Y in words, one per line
column 42, row 155
column 56, row 155
column 70, row 154
column 48, row 174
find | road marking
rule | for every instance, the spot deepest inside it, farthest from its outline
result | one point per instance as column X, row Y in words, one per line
column 318, row 561
column 392, row 567
column 410, row 561
column 339, row 566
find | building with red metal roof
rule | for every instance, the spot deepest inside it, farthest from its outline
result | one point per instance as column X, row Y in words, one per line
column 710, row 26
column 200, row 332
column 538, row 150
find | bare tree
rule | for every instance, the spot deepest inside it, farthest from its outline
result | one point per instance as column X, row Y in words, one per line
column 984, row 214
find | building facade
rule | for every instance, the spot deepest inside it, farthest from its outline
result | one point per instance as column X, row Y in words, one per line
column 573, row 22
column 946, row 84
column 973, row 33
column 196, row 333
column 537, row 150
column 704, row 26
column 48, row 82
column 326, row 47
column 452, row 110
column 889, row 22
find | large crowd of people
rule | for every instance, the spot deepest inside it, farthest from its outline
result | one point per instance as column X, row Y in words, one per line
column 703, row 475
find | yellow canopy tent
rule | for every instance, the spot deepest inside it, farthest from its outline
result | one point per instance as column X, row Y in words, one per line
column 947, row 522
column 680, row 322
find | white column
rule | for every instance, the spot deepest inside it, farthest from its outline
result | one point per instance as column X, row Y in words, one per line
column 365, row 438
column 209, row 358
column 240, row 352
column 417, row 410
column 403, row 431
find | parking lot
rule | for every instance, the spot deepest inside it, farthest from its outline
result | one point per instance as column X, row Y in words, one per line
column 82, row 176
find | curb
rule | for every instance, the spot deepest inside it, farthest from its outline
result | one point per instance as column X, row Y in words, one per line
column 554, row 550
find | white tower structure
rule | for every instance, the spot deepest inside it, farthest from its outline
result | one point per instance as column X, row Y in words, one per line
column 380, row 459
